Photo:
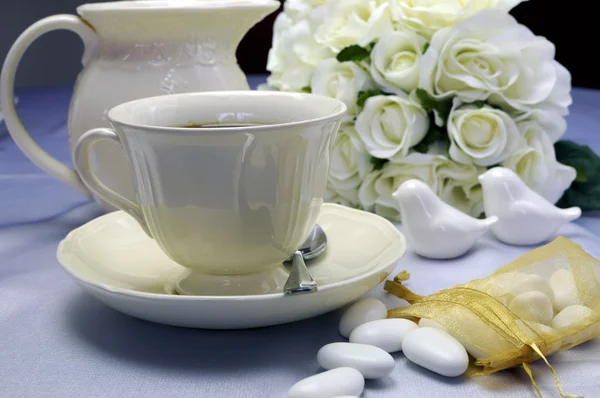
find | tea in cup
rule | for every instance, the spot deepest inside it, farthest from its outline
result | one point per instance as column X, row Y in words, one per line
column 226, row 183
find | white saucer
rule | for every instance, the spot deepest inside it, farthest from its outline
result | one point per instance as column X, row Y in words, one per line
column 112, row 258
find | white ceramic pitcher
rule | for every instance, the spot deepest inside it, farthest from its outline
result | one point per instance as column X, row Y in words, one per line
column 132, row 50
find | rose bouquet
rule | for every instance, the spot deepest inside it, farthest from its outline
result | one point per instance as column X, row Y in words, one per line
column 436, row 90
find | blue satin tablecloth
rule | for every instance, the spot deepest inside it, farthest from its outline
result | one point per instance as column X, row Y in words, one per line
column 56, row 341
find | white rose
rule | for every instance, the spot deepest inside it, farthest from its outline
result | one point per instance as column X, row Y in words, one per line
column 550, row 114
column 379, row 24
column 375, row 193
column 560, row 98
column 298, row 9
column 550, row 121
column 395, row 61
column 341, row 80
column 288, row 73
column 428, row 16
column 490, row 56
column 303, row 45
column 482, row 136
column 457, row 183
column 283, row 23
column 458, row 186
column 265, row 87
column 349, row 164
column 331, row 196
column 391, row 125
column 535, row 163
column 294, row 54
column 346, row 22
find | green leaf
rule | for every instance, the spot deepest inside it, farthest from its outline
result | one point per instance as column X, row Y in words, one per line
column 580, row 157
column 425, row 47
column 580, row 177
column 427, row 102
column 353, row 53
column 431, row 104
column 479, row 104
column 444, row 108
column 378, row 163
column 434, row 134
column 307, row 89
column 585, row 190
column 422, row 147
column 363, row 96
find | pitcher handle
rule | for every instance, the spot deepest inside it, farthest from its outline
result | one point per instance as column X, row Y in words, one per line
column 22, row 138
column 82, row 162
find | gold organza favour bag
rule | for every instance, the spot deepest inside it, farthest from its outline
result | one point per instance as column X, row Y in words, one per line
column 505, row 320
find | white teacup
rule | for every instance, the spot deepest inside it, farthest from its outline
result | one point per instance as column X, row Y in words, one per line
column 228, row 199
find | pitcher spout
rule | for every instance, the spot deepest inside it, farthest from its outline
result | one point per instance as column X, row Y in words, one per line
column 244, row 14
column 225, row 21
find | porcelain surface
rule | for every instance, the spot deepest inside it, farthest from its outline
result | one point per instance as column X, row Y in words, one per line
column 524, row 216
column 222, row 200
column 433, row 228
column 114, row 260
column 132, row 50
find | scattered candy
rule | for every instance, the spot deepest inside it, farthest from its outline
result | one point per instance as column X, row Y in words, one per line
column 330, row 384
column 437, row 351
column 371, row 361
column 362, row 311
column 386, row 334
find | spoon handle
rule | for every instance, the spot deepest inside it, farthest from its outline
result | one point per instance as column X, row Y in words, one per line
column 299, row 280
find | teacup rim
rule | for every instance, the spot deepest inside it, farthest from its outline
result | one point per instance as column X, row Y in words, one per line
column 340, row 110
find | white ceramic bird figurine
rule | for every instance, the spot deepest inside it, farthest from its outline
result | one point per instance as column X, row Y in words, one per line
column 525, row 217
column 433, row 228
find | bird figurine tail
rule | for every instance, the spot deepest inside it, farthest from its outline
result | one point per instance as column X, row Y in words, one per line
column 485, row 225
column 571, row 214
column 488, row 222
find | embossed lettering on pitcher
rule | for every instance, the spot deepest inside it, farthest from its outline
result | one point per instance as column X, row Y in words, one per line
column 194, row 50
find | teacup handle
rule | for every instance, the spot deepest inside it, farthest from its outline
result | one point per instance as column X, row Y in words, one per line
column 82, row 162
column 15, row 127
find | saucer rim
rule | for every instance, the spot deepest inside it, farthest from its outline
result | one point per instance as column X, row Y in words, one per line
column 400, row 252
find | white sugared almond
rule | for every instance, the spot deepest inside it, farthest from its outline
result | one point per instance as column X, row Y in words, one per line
column 536, row 331
column 386, row 334
column 370, row 361
column 437, row 351
column 486, row 335
column 564, row 288
column 518, row 282
column 330, row 384
column 533, row 306
column 360, row 312
column 573, row 316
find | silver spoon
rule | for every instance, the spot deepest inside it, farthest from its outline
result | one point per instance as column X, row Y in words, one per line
column 300, row 280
